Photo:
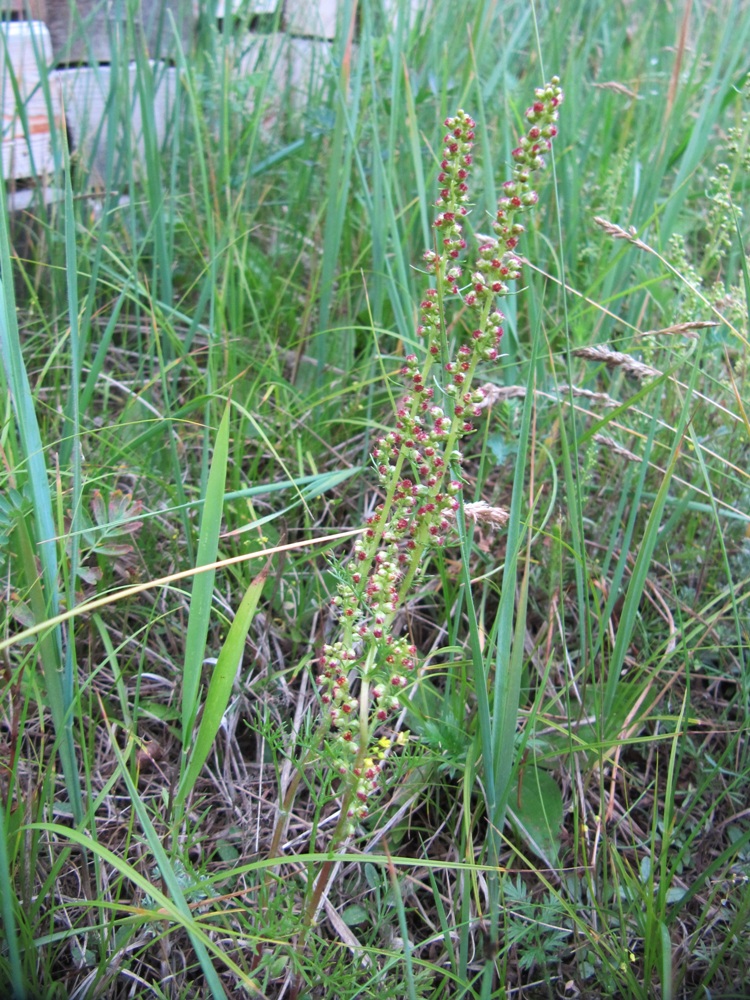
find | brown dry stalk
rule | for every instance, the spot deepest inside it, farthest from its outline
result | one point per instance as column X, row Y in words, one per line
column 619, row 233
column 614, row 359
column 500, row 393
column 617, row 88
column 595, row 397
column 686, row 328
column 616, row 448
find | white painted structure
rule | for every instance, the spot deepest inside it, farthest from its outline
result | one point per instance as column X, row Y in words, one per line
column 87, row 93
column 29, row 103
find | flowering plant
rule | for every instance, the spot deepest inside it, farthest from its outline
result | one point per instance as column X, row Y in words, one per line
column 364, row 672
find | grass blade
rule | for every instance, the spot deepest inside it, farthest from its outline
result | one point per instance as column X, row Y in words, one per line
column 220, row 686
column 200, row 601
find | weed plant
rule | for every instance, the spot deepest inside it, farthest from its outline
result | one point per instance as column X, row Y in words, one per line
column 200, row 355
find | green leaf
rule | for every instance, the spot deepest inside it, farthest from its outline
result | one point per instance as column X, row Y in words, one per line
column 537, row 813
column 203, row 586
column 373, row 876
column 675, row 894
column 227, row 851
column 221, row 683
column 645, row 869
column 500, row 448
column 354, row 915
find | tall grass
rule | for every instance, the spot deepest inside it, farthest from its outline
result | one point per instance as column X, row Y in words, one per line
column 197, row 361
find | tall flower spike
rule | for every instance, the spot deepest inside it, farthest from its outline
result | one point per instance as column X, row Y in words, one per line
column 418, row 463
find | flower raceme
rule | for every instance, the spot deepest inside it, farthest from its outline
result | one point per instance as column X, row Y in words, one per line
column 364, row 672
